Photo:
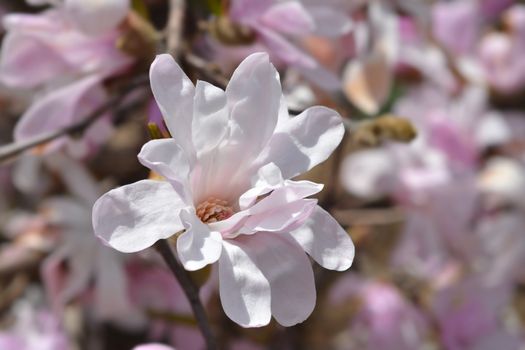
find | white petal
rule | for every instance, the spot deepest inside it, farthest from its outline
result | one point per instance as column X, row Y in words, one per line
column 268, row 178
column 253, row 98
column 210, row 121
column 174, row 93
column 198, row 246
column 304, row 141
column 288, row 269
column 133, row 217
column 326, row 241
column 282, row 219
column 254, row 95
column 244, row 291
column 167, row 158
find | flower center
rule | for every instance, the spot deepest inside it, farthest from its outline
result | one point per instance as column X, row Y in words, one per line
column 213, row 210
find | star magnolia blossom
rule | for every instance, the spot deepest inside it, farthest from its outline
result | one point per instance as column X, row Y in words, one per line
column 227, row 171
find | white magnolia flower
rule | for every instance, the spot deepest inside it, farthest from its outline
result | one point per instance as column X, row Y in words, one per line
column 227, row 170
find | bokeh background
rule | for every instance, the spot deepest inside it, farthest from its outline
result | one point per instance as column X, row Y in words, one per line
column 429, row 180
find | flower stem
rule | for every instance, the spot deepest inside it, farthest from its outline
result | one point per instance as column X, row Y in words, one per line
column 191, row 291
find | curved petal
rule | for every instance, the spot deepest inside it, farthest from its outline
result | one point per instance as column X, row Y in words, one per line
column 304, row 141
column 288, row 269
column 244, row 291
column 367, row 82
column 283, row 49
column 21, row 68
column 210, row 121
column 133, row 217
column 167, row 158
column 325, row 241
column 289, row 18
column 174, row 93
column 198, row 246
column 253, row 114
column 60, row 108
column 281, row 219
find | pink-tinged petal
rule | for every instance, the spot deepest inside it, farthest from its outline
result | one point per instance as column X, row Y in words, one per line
column 268, row 178
column 167, row 158
column 245, row 292
column 247, row 11
column 97, row 17
column 290, row 192
column 457, row 25
column 210, row 119
column 329, row 21
column 282, row 219
column 133, row 217
column 367, row 82
column 284, row 50
column 288, row 18
column 326, row 241
column 288, row 269
column 60, row 108
column 27, row 62
column 304, row 141
column 197, row 246
column 153, row 347
column 174, row 93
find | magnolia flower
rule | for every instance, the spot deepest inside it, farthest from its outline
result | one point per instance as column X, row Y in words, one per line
column 384, row 319
column 91, row 267
column 228, row 187
column 40, row 49
column 47, row 52
column 281, row 28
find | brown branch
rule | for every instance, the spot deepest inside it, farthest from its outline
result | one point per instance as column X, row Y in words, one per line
column 191, row 291
column 15, row 148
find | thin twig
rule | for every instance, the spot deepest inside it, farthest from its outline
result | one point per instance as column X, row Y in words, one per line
column 191, row 291
column 175, row 26
column 15, row 148
column 212, row 71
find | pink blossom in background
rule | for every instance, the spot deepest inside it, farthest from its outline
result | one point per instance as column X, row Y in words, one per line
column 282, row 26
column 384, row 320
column 34, row 328
column 47, row 52
column 228, row 149
column 471, row 317
column 501, row 52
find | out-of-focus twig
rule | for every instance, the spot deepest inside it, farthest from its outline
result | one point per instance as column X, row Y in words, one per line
column 191, row 291
column 211, row 70
column 15, row 148
column 175, row 26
